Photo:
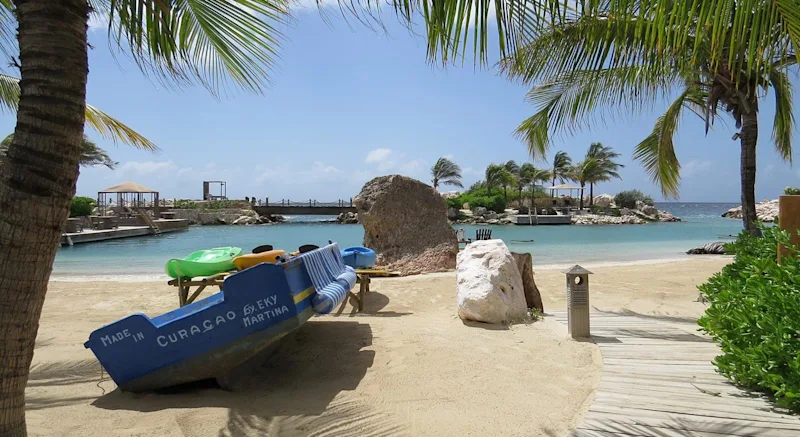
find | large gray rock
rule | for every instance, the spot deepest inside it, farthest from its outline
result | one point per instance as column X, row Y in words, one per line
column 715, row 248
column 405, row 222
column 489, row 285
column 767, row 211
column 453, row 213
column 604, row 200
column 347, row 218
column 479, row 211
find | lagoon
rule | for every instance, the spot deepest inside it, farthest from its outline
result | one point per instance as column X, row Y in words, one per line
column 144, row 258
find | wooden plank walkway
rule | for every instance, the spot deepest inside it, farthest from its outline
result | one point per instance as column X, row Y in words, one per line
column 658, row 381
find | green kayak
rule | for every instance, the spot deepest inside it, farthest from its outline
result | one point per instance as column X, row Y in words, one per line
column 203, row 263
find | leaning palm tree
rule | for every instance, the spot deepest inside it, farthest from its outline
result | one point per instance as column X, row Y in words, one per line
column 725, row 55
column 537, row 175
column 562, row 163
column 91, row 154
column 586, row 171
column 495, row 175
column 524, row 178
column 605, row 156
column 446, row 172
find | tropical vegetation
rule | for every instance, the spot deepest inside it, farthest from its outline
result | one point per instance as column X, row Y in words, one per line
column 606, row 166
column 446, row 172
column 81, row 206
column 91, row 153
column 714, row 56
column 562, row 164
column 628, row 199
column 752, row 314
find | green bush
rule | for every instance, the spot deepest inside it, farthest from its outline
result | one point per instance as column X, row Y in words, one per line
column 454, row 202
column 81, row 206
column 754, row 303
column 627, row 199
column 789, row 191
column 185, row 204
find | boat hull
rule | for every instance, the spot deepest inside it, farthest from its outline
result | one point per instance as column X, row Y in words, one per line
column 359, row 257
column 209, row 338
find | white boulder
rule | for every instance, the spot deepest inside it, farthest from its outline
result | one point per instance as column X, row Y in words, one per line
column 489, row 285
column 604, row 200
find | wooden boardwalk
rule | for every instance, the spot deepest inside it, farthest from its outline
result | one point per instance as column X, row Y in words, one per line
column 658, row 380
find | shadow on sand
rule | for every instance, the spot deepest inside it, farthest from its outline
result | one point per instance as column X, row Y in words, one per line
column 291, row 394
column 374, row 302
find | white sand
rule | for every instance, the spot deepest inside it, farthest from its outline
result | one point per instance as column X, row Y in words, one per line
column 407, row 366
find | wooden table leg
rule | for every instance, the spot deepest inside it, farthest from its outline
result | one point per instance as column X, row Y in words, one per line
column 362, row 291
column 195, row 294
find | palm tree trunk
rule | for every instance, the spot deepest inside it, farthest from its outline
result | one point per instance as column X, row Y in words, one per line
column 748, row 140
column 37, row 181
column 591, row 194
column 580, row 202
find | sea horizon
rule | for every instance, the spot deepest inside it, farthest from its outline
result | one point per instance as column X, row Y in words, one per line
column 143, row 258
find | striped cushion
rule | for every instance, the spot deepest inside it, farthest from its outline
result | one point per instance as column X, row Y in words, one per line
column 331, row 278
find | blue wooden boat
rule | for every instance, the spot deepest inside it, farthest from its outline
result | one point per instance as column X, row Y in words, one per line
column 233, row 329
column 359, row 257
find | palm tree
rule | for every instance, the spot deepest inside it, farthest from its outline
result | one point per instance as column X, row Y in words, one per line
column 585, row 171
column 562, row 164
column 524, row 178
column 605, row 156
column 612, row 54
column 446, row 172
column 494, row 176
column 537, row 175
column 91, row 153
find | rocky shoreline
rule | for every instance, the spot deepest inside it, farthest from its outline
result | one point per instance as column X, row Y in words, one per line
column 226, row 217
column 767, row 211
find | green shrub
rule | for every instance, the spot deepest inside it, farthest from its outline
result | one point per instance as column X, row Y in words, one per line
column 754, row 303
column 454, row 202
column 789, row 191
column 627, row 199
column 185, row 204
column 81, row 206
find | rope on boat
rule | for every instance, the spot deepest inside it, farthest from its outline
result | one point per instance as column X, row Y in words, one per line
column 102, row 378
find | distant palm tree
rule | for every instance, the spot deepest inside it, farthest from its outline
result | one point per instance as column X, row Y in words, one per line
column 494, row 176
column 537, row 175
column 524, row 177
column 585, row 171
column 91, row 153
column 446, row 172
column 512, row 167
column 605, row 156
column 562, row 164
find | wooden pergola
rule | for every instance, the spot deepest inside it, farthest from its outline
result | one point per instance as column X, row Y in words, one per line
column 129, row 196
column 555, row 188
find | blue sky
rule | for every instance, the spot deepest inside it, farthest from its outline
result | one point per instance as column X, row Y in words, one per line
column 347, row 104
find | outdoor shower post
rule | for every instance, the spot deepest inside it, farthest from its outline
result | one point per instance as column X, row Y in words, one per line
column 578, row 301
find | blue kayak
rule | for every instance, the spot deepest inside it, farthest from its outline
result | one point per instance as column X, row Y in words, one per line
column 359, row 257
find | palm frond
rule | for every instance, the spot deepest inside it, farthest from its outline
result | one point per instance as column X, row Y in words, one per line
column 111, row 128
column 566, row 104
column 784, row 114
column 8, row 29
column 213, row 42
column 9, row 93
column 656, row 153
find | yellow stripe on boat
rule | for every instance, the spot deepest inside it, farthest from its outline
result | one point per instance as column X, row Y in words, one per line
column 303, row 294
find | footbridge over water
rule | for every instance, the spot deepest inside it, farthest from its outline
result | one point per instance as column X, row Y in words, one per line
column 309, row 207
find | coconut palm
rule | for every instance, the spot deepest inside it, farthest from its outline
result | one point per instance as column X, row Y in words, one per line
column 524, row 177
column 590, row 169
column 605, row 156
column 709, row 59
column 537, row 175
column 446, row 172
column 562, row 164
column 91, row 153
column 495, row 175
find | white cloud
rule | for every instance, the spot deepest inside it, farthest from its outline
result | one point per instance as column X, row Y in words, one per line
column 448, row 156
column 98, row 20
column 378, row 155
column 695, row 167
column 411, row 168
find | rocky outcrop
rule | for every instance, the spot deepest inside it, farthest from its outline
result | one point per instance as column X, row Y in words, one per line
column 453, row 213
column 594, row 219
column 767, row 211
column 604, row 201
column 646, row 209
column 533, row 299
column 233, row 216
column 347, row 218
column 405, row 222
column 716, row 248
column 489, row 286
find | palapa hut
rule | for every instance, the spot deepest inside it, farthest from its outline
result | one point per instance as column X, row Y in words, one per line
column 126, row 199
column 556, row 188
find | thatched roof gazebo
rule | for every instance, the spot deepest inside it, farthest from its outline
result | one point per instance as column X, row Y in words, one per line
column 130, row 196
column 555, row 189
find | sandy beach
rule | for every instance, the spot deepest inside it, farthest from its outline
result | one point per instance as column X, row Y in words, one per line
column 406, row 366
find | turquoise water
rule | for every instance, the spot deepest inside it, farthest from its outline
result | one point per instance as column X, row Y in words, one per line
column 553, row 245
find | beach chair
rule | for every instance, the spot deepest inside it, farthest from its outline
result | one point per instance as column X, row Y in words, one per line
column 483, row 234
